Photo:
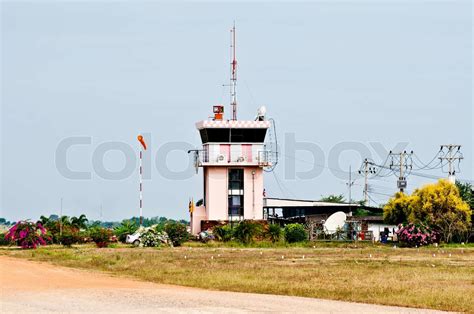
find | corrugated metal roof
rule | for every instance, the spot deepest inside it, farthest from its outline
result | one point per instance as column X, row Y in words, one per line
column 282, row 202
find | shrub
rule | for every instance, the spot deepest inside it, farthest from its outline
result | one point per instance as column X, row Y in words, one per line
column 246, row 231
column 177, row 232
column 295, row 233
column 27, row 234
column 222, row 233
column 153, row 238
column 4, row 240
column 274, row 232
column 69, row 236
column 100, row 236
column 416, row 234
column 84, row 236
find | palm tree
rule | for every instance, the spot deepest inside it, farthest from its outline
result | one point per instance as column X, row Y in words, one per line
column 65, row 221
column 125, row 228
column 44, row 220
column 79, row 222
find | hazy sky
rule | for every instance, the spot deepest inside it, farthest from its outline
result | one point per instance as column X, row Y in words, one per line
column 328, row 72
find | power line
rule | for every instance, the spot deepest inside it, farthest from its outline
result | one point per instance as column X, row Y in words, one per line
column 281, row 186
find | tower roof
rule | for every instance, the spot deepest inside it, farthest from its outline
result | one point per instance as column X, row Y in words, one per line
column 230, row 124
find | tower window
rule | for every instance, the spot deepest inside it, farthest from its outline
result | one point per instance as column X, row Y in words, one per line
column 236, row 193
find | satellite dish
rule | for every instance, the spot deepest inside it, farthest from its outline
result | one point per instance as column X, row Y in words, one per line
column 335, row 221
column 261, row 112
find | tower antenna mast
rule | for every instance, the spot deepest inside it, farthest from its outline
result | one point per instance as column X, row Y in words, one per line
column 233, row 76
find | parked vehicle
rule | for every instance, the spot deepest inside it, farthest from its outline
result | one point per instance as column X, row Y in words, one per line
column 135, row 237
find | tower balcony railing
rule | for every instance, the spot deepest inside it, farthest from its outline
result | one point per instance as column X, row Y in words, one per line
column 204, row 158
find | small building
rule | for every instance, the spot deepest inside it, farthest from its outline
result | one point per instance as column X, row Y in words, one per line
column 294, row 208
column 314, row 213
column 232, row 159
column 376, row 226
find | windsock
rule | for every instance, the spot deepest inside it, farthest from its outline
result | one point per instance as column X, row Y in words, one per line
column 142, row 141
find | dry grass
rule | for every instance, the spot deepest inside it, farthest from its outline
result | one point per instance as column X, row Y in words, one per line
column 372, row 274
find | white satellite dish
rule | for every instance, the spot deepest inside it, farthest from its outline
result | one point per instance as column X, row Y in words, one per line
column 261, row 113
column 334, row 222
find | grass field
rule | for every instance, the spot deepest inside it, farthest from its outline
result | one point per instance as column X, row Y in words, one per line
column 439, row 278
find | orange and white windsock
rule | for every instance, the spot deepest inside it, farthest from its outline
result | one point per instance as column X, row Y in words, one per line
column 143, row 145
column 142, row 141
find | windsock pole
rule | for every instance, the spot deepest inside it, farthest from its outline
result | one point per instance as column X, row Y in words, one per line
column 142, row 148
column 141, row 189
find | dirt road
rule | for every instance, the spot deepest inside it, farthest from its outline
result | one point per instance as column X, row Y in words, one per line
column 38, row 287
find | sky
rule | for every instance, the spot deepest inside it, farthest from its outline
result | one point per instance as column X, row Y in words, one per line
column 346, row 79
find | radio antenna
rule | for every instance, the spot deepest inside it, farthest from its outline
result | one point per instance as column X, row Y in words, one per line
column 233, row 76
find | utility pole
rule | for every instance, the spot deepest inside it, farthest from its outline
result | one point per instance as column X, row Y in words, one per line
column 366, row 170
column 61, row 218
column 350, row 184
column 451, row 155
column 400, row 160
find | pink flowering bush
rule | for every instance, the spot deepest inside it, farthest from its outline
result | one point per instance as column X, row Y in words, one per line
column 416, row 234
column 27, row 234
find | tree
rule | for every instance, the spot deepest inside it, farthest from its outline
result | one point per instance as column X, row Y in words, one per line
column 333, row 198
column 65, row 221
column 440, row 205
column 126, row 227
column 44, row 220
column 397, row 209
column 79, row 222
column 466, row 191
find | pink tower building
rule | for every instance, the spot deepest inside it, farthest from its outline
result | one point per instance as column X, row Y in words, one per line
column 232, row 158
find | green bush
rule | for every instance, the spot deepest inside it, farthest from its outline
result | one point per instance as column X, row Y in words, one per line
column 83, row 236
column 100, row 236
column 274, row 232
column 246, row 231
column 4, row 240
column 69, row 237
column 177, row 232
column 223, row 233
column 295, row 233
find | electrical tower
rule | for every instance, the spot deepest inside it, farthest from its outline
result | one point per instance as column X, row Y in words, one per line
column 366, row 170
column 402, row 161
column 451, row 153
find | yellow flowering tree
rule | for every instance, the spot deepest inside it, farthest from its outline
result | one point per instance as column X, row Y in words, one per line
column 437, row 205
column 397, row 209
column 440, row 205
